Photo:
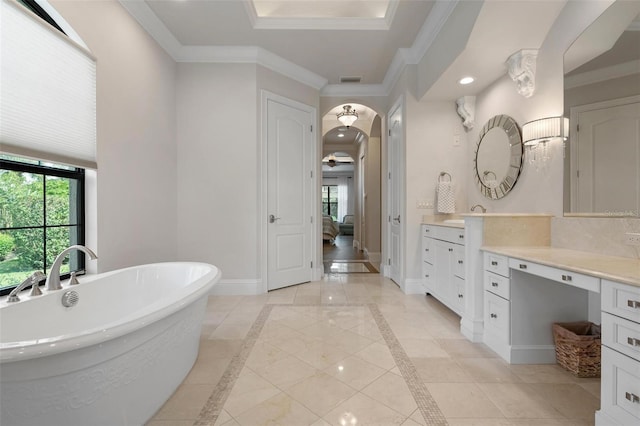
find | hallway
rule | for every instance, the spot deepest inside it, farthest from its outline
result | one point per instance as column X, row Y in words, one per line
column 353, row 349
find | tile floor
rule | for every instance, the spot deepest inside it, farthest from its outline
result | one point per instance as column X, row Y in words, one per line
column 354, row 350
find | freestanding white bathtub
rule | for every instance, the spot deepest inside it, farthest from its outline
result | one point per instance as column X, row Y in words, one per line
column 112, row 359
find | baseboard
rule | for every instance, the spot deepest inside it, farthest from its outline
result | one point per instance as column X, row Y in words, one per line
column 472, row 330
column 237, row 287
column 414, row 286
column 533, row 354
column 374, row 257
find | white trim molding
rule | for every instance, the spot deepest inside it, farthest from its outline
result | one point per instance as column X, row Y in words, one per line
column 436, row 19
column 237, row 287
column 522, row 70
column 319, row 23
column 414, row 286
column 603, row 74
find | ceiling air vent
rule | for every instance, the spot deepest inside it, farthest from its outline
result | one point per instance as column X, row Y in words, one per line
column 350, row 79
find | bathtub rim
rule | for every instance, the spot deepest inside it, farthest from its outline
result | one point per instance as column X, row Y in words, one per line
column 30, row 349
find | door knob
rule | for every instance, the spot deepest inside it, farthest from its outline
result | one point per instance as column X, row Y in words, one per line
column 272, row 218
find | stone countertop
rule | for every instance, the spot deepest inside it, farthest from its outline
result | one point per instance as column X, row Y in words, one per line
column 619, row 269
column 439, row 220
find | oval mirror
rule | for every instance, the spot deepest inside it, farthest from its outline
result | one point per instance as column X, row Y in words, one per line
column 498, row 159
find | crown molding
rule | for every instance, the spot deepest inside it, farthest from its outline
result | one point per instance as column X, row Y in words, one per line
column 603, row 74
column 336, row 23
column 426, row 36
column 142, row 13
column 252, row 54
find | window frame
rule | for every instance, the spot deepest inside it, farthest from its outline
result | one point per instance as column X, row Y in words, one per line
column 77, row 174
column 327, row 201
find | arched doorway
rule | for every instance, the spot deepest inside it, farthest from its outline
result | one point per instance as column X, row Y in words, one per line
column 351, row 171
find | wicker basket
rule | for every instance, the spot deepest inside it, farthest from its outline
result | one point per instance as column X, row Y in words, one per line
column 578, row 347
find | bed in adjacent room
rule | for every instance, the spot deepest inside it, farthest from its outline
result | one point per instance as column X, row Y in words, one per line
column 329, row 229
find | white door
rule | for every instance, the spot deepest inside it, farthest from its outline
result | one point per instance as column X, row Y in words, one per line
column 394, row 189
column 289, row 194
column 606, row 175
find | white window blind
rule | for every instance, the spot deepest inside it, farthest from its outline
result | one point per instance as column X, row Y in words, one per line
column 47, row 91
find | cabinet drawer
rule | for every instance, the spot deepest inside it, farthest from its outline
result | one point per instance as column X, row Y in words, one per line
column 445, row 233
column 575, row 279
column 620, row 394
column 497, row 284
column 622, row 335
column 497, row 264
column 458, row 259
column 427, row 249
column 496, row 316
column 622, row 300
column 427, row 230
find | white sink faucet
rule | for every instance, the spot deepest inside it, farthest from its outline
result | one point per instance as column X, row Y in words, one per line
column 53, row 280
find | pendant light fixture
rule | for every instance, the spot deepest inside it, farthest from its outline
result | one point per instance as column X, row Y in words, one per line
column 348, row 116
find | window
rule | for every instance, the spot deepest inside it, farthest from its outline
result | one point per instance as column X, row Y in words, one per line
column 41, row 214
column 330, row 201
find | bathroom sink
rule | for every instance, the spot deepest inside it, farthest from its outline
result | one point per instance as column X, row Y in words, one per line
column 459, row 221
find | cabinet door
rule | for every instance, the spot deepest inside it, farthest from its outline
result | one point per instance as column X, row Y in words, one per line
column 444, row 271
column 459, row 288
column 458, row 262
column 427, row 249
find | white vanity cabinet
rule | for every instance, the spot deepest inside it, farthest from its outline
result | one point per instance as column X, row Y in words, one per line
column 443, row 265
column 497, row 305
column 620, row 386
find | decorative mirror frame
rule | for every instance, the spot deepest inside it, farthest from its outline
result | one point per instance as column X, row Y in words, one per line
column 516, row 155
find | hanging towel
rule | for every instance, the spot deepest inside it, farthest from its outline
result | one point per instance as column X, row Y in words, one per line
column 446, row 197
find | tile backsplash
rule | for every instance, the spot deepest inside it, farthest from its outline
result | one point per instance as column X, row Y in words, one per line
column 595, row 234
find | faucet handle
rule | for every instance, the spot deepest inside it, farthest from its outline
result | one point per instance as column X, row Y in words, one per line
column 35, row 288
column 73, row 280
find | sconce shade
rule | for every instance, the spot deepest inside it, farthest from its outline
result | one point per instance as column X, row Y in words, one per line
column 348, row 116
column 545, row 129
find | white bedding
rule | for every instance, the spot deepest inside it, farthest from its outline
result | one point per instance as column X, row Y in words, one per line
column 329, row 228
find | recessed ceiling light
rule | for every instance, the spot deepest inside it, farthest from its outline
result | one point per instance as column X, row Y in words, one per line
column 341, row 135
column 466, row 80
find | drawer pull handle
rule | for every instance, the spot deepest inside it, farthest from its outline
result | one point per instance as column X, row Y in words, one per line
column 632, row 397
column 566, row 278
column 523, row 266
column 633, row 342
column 633, row 304
column 461, row 236
column 493, row 284
column 460, row 296
column 426, row 275
column 450, row 249
column 494, row 263
column 426, row 249
column 460, row 262
column 493, row 315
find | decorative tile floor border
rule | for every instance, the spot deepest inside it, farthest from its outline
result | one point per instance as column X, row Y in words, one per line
column 426, row 404
column 212, row 408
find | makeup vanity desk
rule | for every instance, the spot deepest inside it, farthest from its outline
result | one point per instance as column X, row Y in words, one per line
column 527, row 289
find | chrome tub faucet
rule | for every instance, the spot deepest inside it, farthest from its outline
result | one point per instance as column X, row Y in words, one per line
column 32, row 280
column 53, row 280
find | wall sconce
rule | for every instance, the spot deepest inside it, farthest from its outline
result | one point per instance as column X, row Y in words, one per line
column 348, row 116
column 536, row 134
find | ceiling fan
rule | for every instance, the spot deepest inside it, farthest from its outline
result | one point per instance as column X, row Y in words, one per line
column 332, row 160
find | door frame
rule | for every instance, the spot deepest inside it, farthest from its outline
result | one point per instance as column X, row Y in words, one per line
column 262, row 230
column 399, row 105
column 573, row 123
